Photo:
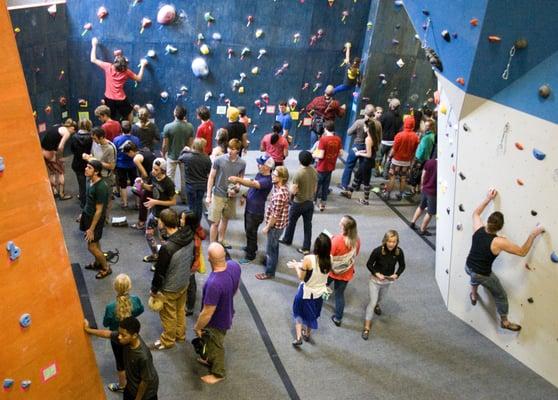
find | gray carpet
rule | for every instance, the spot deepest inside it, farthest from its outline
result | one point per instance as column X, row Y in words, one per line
column 417, row 349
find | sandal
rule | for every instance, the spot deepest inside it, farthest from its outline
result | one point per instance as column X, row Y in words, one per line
column 65, row 197
column 93, row 266
column 473, row 299
column 139, row 227
column 510, row 326
column 103, row 273
column 365, row 333
column 305, row 336
column 115, row 387
column 263, row 276
column 150, row 258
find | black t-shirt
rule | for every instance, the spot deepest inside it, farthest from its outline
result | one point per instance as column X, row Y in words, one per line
column 392, row 124
column 51, row 139
column 138, row 364
column 197, row 167
column 148, row 158
column 162, row 190
column 236, row 130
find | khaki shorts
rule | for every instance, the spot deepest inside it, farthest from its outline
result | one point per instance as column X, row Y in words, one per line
column 224, row 207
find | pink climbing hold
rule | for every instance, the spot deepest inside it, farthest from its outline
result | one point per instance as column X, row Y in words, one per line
column 166, row 14
column 102, row 12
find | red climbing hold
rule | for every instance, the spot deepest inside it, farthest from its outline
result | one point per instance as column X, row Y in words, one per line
column 494, row 39
column 474, row 21
column 519, row 182
column 519, row 146
column 461, row 81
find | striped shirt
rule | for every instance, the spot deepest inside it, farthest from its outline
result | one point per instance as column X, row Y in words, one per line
column 278, row 207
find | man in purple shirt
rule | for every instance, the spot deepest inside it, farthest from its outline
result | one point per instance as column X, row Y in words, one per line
column 218, row 310
column 427, row 196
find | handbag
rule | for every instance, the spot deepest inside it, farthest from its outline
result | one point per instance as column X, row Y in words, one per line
column 341, row 264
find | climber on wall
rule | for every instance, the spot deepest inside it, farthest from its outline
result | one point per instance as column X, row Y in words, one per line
column 486, row 246
column 116, row 75
column 352, row 73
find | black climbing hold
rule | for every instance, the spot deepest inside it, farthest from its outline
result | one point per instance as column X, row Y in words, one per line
column 461, row 208
column 451, row 155
column 397, row 26
column 446, row 35
column 426, row 12
column 462, row 176
column 534, row 213
column 466, row 127
column 530, row 300
column 448, row 210
column 447, row 272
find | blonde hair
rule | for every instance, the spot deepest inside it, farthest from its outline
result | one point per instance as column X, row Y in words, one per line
column 199, row 145
column 122, row 285
column 388, row 235
column 350, row 233
column 282, row 173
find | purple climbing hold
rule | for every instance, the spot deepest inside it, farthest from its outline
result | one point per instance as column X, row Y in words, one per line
column 539, row 155
column 554, row 257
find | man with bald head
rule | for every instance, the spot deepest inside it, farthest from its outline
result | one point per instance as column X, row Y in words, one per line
column 321, row 109
column 218, row 310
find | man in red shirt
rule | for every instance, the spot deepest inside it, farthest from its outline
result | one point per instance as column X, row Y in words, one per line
column 402, row 155
column 323, row 108
column 116, row 75
column 327, row 152
column 205, row 130
column 111, row 127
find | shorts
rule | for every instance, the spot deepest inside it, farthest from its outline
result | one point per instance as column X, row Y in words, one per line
column 123, row 175
column 85, row 222
column 118, row 351
column 399, row 170
column 224, row 207
column 55, row 167
column 428, row 202
column 121, row 108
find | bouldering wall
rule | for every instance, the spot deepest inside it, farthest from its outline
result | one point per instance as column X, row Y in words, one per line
column 45, row 352
column 498, row 132
column 303, row 43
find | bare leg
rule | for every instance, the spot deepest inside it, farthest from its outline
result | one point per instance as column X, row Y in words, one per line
column 298, row 329
column 95, row 249
column 211, row 379
column 122, row 379
column 124, row 196
column 223, row 228
column 213, row 231
column 425, row 222
column 367, row 324
column 417, row 215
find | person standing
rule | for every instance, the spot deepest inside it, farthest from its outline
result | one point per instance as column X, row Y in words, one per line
column 236, row 129
column 328, row 150
column 381, row 265
column 146, row 130
column 93, row 217
column 111, row 127
column 275, row 145
column 428, row 187
column 217, row 313
column 205, row 130
column 485, row 247
column 276, row 218
column 313, row 272
column 303, row 188
column 345, row 247
column 143, row 160
column 254, row 212
column 392, row 123
column 126, row 171
column 285, row 119
column 81, row 143
column 141, row 375
column 197, row 167
column 177, row 135
column 171, row 278
column 116, row 75
column 221, row 194
column 321, row 109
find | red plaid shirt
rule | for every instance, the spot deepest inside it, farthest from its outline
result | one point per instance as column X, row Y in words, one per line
column 278, row 207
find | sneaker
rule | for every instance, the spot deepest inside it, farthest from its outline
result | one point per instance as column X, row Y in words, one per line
column 377, row 310
column 363, row 202
column 189, row 313
column 346, row 193
column 282, row 241
column 336, row 321
column 303, row 252
column 413, row 226
column 425, row 233
column 150, row 258
column 297, row 342
column 115, row 387
column 245, row 260
column 385, row 195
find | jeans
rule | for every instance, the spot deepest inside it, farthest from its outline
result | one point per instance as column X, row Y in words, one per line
column 339, row 289
column 251, row 225
column 324, row 178
column 306, row 210
column 350, row 165
column 342, row 88
column 81, row 179
column 494, row 287
column 195, row 200
column 179, row 181
column 377, row 292
column 314, row 137
column 364, row 172
column 272, row 250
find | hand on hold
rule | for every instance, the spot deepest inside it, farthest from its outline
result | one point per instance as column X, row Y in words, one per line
column 143, row 62
column 94, row 42
column 539, row 229
column 492, row 193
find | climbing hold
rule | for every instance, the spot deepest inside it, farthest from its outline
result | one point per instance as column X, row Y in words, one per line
column 528, row 267
column 530, row 300
column 520, row 43
column 344, row 16
column 151, row 54
column 319, row 74
column 230, row 53
column 292, row 103
column 255, row 71
column 145, row 23
column 26, row 384
column 208, row 18
column 397, row 26
column 443, row 109
column 259, row 33
column 462, row 176
column 534, row 213
column 519, row 182
column 242, row 76
column 305, row 86
column 544, row 91
column 454, row 35
column 102, row 12
column 433, row 58
column 519, row 146
column 466, row 127
column 166, row 14
column 320, row 33
column 13, row 250
column 265, row 98
column 316, row 87
column 17, row 29
column 400, row 63
column 241, row 90
column 8, row 383
column 554, row 257
column 296, row 37
column 394, row 42
column 216, row 36
column 426, row 12
column 2, row 166
column 244, row 53
column 261, row 53
column 170, row 49
column 446, row 35
column 204, row 49
column 398, row 3
column 200, row 68
column 117, row 53
column 539, row 155
column 369, row 26
column 494, row 39
column 86, row 28
column 282, row 69
column 474, row 21
column 330, row 2
column 61, row 75
column 250, row 19
column 25, row 320
column 459, row 227
column 461, row 208
column 448, row 210
column 461, row 81
column 208, row 95
column 313, row 40
column 164, row 96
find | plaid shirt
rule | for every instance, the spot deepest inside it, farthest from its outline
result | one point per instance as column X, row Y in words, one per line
column 278, row 207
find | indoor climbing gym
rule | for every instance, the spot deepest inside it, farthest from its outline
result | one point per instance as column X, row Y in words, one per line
column 278, row 199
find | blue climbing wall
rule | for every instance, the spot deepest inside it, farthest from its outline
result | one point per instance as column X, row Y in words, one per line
column 481, row 63
column 43, row 57
column 280, row 20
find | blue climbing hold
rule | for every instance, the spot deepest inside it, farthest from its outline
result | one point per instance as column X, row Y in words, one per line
column 14, row 251
column 539, row 155
column 25, row 320
column 8, row 383
column 2, row 165
column 554, row 257
column 25, row 384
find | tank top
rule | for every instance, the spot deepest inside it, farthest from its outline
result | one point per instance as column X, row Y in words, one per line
column 148, row 159
column 480, row 256
column 51, row 139
column 316, row 286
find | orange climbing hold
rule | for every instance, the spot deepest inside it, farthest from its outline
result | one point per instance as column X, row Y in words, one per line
column 519, row 182
column 461, row 81
column 519, row 146
column 474, row 21
column 494, row 39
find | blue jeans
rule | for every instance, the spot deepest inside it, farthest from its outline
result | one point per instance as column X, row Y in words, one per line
column 195, row 200
column 272, row 250
column 350, row 165
column 339, row 289
column 324, row 178
column 494, row 287
column 306, row 210
column 342, row 88
column 251, row 225
column 314, row 137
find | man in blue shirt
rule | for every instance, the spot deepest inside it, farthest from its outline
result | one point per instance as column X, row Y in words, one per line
column 125, row 168
column 284, row 117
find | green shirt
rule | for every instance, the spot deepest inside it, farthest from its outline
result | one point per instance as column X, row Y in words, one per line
column 424, row 149
column 306, row 178
column 178, row 134
column 97, row 193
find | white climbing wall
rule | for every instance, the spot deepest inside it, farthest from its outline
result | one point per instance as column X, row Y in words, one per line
column 487, row 156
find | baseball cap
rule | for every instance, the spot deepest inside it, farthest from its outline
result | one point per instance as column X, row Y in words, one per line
column 161, row 162
column 266, row 159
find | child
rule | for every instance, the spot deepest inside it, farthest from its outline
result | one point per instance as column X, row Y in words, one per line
column 123, row 307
